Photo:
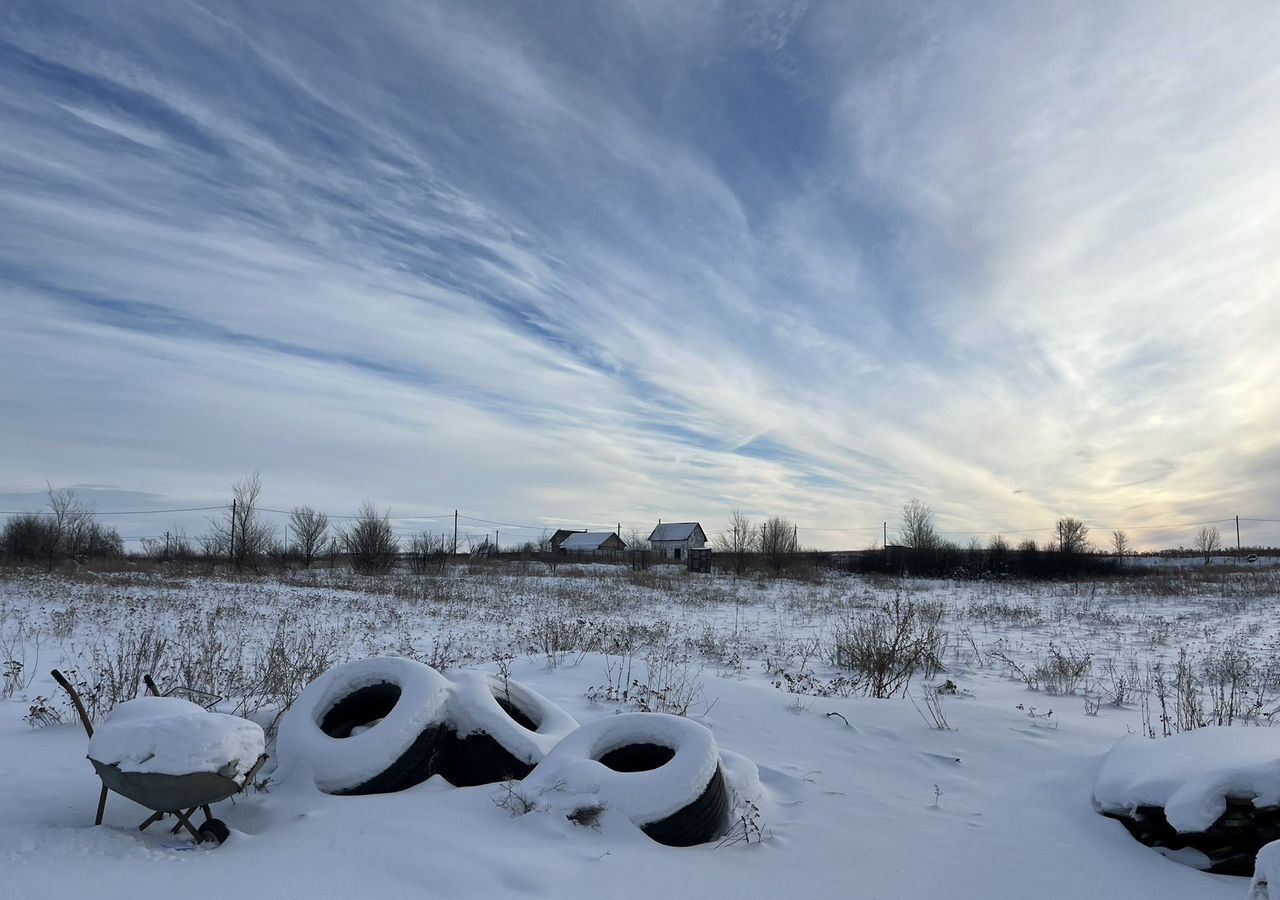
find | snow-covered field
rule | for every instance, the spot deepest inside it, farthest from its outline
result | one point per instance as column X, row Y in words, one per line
column 859, row 796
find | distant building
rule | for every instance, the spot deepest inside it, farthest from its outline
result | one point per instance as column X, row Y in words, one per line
column 591, row 542
column 676, row 539
column 561, row 533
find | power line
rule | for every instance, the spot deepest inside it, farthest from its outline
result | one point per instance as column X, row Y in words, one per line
column 289, row 512
column 855, row 528
column 501, row 524
column 114, row 512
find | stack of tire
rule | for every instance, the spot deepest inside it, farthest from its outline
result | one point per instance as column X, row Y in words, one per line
column 381, row 725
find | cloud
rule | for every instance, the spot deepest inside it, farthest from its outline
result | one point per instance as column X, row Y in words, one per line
column 592, row 265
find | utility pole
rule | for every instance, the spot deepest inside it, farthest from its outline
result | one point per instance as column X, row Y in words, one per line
column 1237, row 536
column 496, row 542
column 231, row 557
column 166, row 546
column 455, row 532
column 885, row 544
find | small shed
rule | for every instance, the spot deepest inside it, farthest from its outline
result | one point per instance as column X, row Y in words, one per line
column 676, row 539
column 561, row 533
column 591, row 542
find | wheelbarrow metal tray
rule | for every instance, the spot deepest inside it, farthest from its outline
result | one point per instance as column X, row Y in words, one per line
column 167, row 793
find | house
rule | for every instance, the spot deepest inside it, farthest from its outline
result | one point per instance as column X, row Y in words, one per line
column 561, row 533
column 591, row 542
column 676, row 539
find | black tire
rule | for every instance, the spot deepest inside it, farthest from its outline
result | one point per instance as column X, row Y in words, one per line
column 214, row 830
column 1231, row 844
column 662, row 772
column 500, row 730
column 361, row 707
column 478, row 759
column 701, row 821
column 424, row 758
column 369, row 726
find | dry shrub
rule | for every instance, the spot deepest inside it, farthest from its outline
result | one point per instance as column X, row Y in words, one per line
column 887, row 646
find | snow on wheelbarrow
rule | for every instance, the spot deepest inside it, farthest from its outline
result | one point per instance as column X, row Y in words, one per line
column 173, row 757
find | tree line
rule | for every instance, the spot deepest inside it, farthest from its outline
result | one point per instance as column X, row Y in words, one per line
column 69, row 531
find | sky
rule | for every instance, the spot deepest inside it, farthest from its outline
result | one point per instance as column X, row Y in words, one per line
column 590, row 263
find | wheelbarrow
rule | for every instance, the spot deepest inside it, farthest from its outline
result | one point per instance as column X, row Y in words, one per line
column 176, row 795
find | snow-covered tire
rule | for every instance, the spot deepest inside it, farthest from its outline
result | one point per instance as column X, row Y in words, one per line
column 1228, row 847
column 501, row 730
column 372, row 726
column 662, row 772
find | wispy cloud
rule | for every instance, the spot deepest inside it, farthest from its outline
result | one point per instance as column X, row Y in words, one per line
column 622, row 263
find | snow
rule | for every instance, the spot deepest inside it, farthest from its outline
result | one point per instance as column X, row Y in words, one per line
column 176, row 737
column 1266, row 874
column 870, row 802
column 1191, row 774
column 674, row 531
column 585, row 540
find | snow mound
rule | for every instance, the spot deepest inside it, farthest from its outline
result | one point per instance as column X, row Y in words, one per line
column 476, row 707
column 1266, row 873
column 743, row 776
column 170, row 736
column 572, row 776
column 1191, row 774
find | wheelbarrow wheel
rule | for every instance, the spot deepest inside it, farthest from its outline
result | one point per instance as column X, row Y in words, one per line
column 214, row 830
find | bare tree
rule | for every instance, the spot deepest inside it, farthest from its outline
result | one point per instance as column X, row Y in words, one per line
column 1208, row 542
column 370, row 542
column 27, row 537
column 174, row 545
column 309, row 528
column 738, row 541
column 102, row 541
column 67, row 531
column 69, row 525
column 242, row 535
column 997, row 553
column 917, row 530
column 1073, row 536
column 778, row 542
column 428, row 553
column 1120, row 542
column 633, row 537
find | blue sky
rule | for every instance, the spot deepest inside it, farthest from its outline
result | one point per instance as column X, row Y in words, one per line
column 590, row 263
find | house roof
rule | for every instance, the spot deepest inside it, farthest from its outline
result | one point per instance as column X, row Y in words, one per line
column 562, row 532
column 586, row 540
column 676, row 531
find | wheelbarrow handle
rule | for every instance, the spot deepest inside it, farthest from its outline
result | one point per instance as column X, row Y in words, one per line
column 253, row 773
column 75, row 700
